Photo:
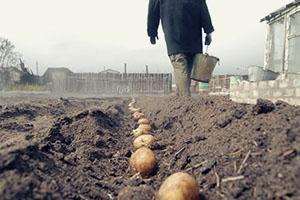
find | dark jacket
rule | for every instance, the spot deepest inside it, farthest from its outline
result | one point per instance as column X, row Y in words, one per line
column 182, row 22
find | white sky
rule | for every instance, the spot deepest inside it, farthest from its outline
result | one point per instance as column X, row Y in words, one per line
column 86, row 35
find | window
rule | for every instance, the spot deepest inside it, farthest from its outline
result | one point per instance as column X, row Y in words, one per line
column 294, row 44
column 277, row 32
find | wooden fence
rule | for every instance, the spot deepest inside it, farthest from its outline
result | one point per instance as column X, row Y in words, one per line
column 115, row 84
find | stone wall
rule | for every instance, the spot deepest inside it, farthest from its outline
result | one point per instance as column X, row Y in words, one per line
column 287, row 90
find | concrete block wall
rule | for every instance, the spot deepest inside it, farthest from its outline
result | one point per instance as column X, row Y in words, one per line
column 287, row 90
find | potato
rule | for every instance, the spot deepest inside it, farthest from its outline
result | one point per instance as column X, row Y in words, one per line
column 131, row 104
column 137, row 132
column 143, row 161
column 179, row 186
column 145, row 127
column 133, row 110
column 138, row 115
column 146, row 132
column 143, row 141
column 143, row 121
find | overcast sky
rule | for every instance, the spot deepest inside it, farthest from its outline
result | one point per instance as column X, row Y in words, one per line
column 86, row 35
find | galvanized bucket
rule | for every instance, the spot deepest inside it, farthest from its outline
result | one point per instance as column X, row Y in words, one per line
column 257, row 73
column 203, row 67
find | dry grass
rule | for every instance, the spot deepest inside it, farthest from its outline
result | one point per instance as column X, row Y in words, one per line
column 28, row 87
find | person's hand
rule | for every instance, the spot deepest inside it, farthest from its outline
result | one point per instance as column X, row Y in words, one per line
column 153, row 40
column 208, row 39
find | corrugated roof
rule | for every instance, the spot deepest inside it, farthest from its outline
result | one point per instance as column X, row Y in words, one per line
column 280, row 11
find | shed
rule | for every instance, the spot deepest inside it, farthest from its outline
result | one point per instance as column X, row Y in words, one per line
column 52, row 74
column 56, row 78
column 283, row 39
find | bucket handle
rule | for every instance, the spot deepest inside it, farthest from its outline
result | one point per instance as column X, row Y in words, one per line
column 206, row 52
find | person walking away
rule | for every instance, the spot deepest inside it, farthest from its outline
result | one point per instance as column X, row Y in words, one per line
column 183, row 22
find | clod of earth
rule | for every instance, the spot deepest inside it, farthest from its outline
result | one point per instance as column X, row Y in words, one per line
column 136, row 193
column 179, row 186
column 224, row 122
column 238, row 114
column 263, row 106
column 143, row 161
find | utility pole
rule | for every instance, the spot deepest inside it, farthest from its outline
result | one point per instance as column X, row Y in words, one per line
column 37, row 67
column 147, row 69
column 125, row 68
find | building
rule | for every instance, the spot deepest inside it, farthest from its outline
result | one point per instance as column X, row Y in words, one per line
column 55, row 78
column 220, row 84
column 52, row 74
column 281, row 57
column 283, row 39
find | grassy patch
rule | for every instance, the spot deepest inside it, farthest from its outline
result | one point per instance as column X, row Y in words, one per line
column 28, row 87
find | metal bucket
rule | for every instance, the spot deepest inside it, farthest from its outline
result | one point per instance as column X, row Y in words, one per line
column 257, row 73
column 203, row 67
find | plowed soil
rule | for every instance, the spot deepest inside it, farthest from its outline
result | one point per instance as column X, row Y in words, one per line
column 79, row 148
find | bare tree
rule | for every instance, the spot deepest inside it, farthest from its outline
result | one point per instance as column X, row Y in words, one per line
column 8, row 56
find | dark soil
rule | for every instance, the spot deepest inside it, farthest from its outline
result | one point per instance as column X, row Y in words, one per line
column 80, row 148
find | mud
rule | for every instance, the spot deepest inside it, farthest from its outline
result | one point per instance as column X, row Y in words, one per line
column 79, row 148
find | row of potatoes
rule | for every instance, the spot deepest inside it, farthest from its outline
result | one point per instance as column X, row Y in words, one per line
column 179, row 186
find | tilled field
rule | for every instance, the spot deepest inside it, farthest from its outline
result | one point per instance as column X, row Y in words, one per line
column 80, row 148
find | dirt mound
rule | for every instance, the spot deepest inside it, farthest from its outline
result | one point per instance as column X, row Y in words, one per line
column 77, row 157
column 80, row 148
column 236, row 151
